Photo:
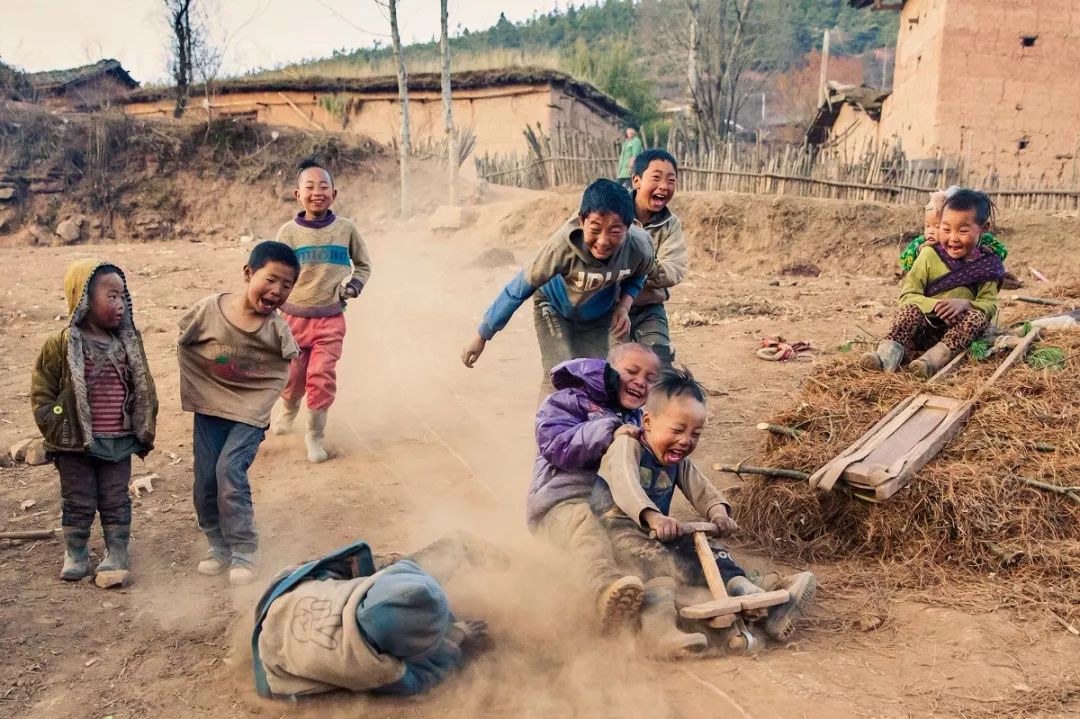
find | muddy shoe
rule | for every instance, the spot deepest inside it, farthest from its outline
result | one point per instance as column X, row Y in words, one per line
column 315, row 437
column 659, row 628
column 283, row 422
column 740, row 587
column 781, row 622
column 114, row 570
column 216, row 561
column 886, row 358
column 932, row 360
column 243, row 569
column 620, row 603
column 76, row 555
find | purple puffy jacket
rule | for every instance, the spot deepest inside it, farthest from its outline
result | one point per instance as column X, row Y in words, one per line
column 574, row 427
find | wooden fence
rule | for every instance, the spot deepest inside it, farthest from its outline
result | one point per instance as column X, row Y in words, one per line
column 877, row 173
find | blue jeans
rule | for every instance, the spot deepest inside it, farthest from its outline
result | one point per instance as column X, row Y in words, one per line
column 224, row 450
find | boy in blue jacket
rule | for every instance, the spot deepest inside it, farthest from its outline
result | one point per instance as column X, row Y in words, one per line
column 583, row 280
column 595, row 401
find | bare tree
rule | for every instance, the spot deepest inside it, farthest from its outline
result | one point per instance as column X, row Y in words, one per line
column 718, row 55
column 448, row 108
column 183, row 50
column 403, row 98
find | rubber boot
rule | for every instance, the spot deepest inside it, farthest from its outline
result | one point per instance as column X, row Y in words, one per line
column 620, row 603
column 76, row 555
column 781, row 622
column 243, row 570
column 316, row 430
column 659, row 629
column 741, row 587
column 283, row 423
column 886, row 358
column 933, row 360
column 216, row 561
column 114, row 569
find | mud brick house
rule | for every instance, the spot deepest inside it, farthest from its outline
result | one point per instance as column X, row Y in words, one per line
column 89, row 87
column 496, row 104
column 990, row 83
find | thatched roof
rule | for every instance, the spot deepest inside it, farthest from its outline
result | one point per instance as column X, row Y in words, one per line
column 55, row 81
column 867, row 99
column 466, row 80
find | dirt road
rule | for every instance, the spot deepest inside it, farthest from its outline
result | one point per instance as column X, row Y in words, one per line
column 424, row 445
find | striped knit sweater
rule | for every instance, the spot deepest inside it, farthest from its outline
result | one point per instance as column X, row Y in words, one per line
column 330, row 251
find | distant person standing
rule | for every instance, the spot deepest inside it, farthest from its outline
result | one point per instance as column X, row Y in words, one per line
column 631, row 148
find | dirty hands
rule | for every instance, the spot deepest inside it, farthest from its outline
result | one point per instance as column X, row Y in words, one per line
column 473, row 350
column 620, row 322
column 664, row 527
column 470, row 635
column 719, row 516
column 950, row 311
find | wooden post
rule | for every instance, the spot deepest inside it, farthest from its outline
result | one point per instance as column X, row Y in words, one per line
column 405, row 149
column 448, row 111
column 823, row 80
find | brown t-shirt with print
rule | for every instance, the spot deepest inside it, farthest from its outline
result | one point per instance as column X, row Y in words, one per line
column 228, row 372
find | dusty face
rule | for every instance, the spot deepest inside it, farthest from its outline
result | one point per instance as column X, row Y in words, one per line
column 106, row 301
column 603, row 233
column 269, row 286
column 655, row 187
column 637, row 372
column 959, row 233
column 673, row 432
column 315, row 191
column 931, row 223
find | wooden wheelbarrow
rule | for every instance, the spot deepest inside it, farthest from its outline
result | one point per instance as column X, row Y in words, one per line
column 725, row 611
column 885, row 459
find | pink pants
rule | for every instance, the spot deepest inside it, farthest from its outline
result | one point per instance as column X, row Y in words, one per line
column 313, row 372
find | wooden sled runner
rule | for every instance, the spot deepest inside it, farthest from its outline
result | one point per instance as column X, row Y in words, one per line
column 885, row 459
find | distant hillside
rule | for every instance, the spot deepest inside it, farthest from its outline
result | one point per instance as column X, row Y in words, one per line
column 632, row 49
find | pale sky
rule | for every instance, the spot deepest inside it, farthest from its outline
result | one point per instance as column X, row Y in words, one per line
column 51, row 34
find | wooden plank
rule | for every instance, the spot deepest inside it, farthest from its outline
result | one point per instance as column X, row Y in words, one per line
column 764, row 599
column 923, row 454
column 715, row 608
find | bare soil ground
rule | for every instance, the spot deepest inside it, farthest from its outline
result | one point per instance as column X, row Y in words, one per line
column 424, row 445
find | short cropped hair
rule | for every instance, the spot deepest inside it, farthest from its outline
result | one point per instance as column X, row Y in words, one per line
column 271, row 251
column 646, row 158
column 310, row 163
column 622, row 348
column 607, row 197
column 673, row 382
column 965, row 199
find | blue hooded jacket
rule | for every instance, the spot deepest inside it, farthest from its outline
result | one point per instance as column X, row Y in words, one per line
column 406, row 614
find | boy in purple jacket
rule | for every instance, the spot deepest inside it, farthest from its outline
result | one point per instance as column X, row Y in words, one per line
column 594, row 402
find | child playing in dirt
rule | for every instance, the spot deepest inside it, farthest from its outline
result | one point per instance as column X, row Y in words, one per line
column 594, row 400
column 931, row 223
column 585, row 278
column 95, row 404
column 638, row 477
column 330, row 251
column 949, row 296
column 234, row 352
column 654, row 181
column 337, row 623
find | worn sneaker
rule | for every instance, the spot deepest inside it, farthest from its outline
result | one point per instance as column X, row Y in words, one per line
column 215, row 562
column 620, row 602
column 243, row 569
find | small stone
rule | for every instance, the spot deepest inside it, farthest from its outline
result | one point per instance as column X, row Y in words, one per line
column 35, row 453
column 69, row 230
column 18, row 450
column 26, row 504
column 7, row 193
column 111, row 579
column 247, row 239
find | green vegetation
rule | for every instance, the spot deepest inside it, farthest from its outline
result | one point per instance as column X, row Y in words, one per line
column 628, row 48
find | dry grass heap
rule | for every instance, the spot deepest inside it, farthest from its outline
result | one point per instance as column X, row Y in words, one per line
column 966, row 511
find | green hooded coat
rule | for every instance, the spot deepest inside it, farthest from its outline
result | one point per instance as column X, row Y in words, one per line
column 58, row 392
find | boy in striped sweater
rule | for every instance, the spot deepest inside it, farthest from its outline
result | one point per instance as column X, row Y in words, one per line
column 334, row 267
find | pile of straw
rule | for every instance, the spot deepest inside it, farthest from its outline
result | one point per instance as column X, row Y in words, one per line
column 967, row 510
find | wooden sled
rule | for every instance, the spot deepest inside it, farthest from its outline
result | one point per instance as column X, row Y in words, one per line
column 885, row 459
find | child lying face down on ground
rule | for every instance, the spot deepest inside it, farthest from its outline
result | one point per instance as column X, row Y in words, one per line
column 337, row 623
column 949, row 297
column 574, row 427
column 632, row 498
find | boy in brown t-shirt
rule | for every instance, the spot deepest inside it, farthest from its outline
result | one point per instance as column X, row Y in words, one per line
column 234, row 352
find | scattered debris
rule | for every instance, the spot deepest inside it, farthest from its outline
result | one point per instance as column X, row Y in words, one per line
column 174, row 459
column 691, row 318
column 30, row 535
column 35, row 453
column 18, row 450
column 1038, row 300
column 27, row 504
column 776, row 349
column 1037, row 275
column 801, row 269
column 145, row 483
column 91, row 662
